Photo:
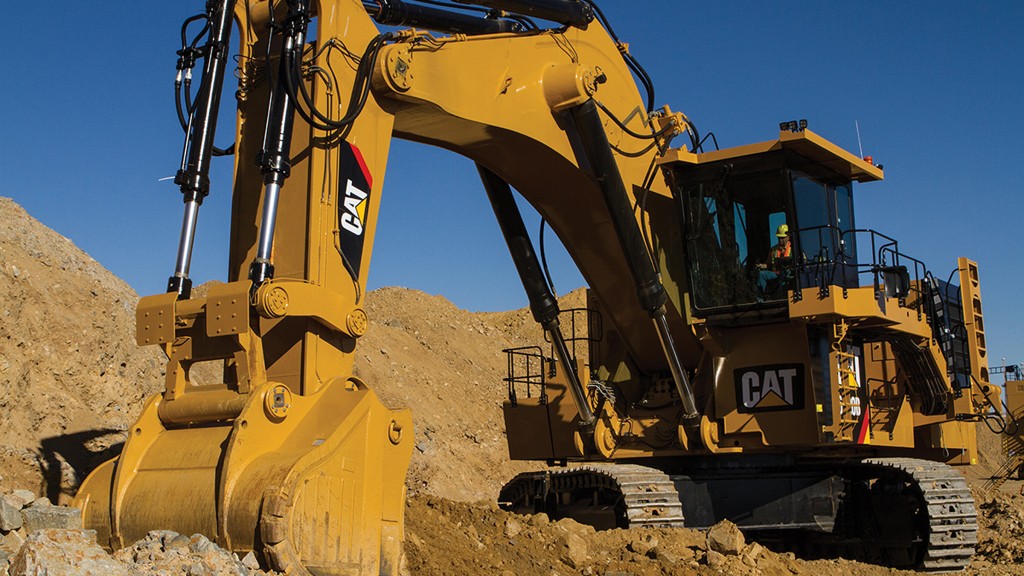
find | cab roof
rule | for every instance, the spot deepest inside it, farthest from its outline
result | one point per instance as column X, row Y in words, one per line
column 803, row 150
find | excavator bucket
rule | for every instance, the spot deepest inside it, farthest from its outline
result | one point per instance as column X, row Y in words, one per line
column 316, row 497
column 307, row 482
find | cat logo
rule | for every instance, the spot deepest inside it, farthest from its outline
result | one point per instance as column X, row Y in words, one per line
column 355, row 209
column 769, row 388
column 355, row 189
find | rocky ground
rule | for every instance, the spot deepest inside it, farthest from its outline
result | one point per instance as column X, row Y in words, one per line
column 39, row 539
column 71, row 380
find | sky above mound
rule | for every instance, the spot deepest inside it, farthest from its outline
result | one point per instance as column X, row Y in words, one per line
column 92, row 135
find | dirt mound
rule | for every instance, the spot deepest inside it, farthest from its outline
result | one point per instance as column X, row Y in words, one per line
column 70, row 373
column 447, row 365
column 445, row 537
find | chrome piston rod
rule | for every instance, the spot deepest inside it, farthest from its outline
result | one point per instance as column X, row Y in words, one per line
column 187, row 241
column 683, row 387
column 275, row 160
column 271, row 198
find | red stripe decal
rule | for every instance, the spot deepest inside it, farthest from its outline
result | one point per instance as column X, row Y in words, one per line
column 362, row 166
column 865, row 425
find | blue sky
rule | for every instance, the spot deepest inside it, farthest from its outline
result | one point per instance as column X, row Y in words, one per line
column 936, row 88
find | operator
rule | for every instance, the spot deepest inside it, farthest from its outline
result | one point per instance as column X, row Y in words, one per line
column 768, row 279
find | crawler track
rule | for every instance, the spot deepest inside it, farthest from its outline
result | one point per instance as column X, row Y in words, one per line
column 948, row 533
column 900, row 512
column 630, row 495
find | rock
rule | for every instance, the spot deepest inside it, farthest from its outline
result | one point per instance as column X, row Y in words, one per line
column 177, row 541
column 643, row 544
column 10, row 514
column 201, row 545
column 166, row 552
column 64, row 553
column 572, row 550
column 42, row 501
column 672, row 555
column 11, row 543
column 725, row 538
column 512, row 528
column 540, row 519
column 25, row 497
column 37, row 517
column 751, row 553
column 715, row 559
column 250, row 561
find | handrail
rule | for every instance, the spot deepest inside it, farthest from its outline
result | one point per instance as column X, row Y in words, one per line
column 835, row 257
column 532, row 360
column 589, row 331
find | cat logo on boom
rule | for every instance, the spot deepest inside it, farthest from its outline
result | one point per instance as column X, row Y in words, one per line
column 355, row 185
column 355, row 209
column 770, row 387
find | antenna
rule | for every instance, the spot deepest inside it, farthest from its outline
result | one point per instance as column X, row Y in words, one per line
column 859, row 145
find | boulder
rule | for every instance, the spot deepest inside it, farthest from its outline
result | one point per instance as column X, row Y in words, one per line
column 250, row 561
column 643, row 544
column 23, row 497
column 64, row 553
column 10, row 514
column 572, row 550
column 37, row 517
column 539, row 519
column 512, row 527
column 725, row 538
column 12, row 542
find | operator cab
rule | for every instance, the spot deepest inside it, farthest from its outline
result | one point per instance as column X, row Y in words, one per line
column 736, row 204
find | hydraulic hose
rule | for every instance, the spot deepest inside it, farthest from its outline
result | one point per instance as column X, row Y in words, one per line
column 568, row 12
column 399, row 13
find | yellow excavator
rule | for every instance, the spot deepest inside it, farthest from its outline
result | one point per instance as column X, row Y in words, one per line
column 746, row 351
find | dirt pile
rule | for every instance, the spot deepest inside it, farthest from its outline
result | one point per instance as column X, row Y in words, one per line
column 447, row 365
column 445, row 537
column 70, row 373
column 511, row 544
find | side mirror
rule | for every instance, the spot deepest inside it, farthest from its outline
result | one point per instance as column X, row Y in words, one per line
column 897, row 281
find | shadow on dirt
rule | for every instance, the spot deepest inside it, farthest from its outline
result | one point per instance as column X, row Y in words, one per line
column 67, row 459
